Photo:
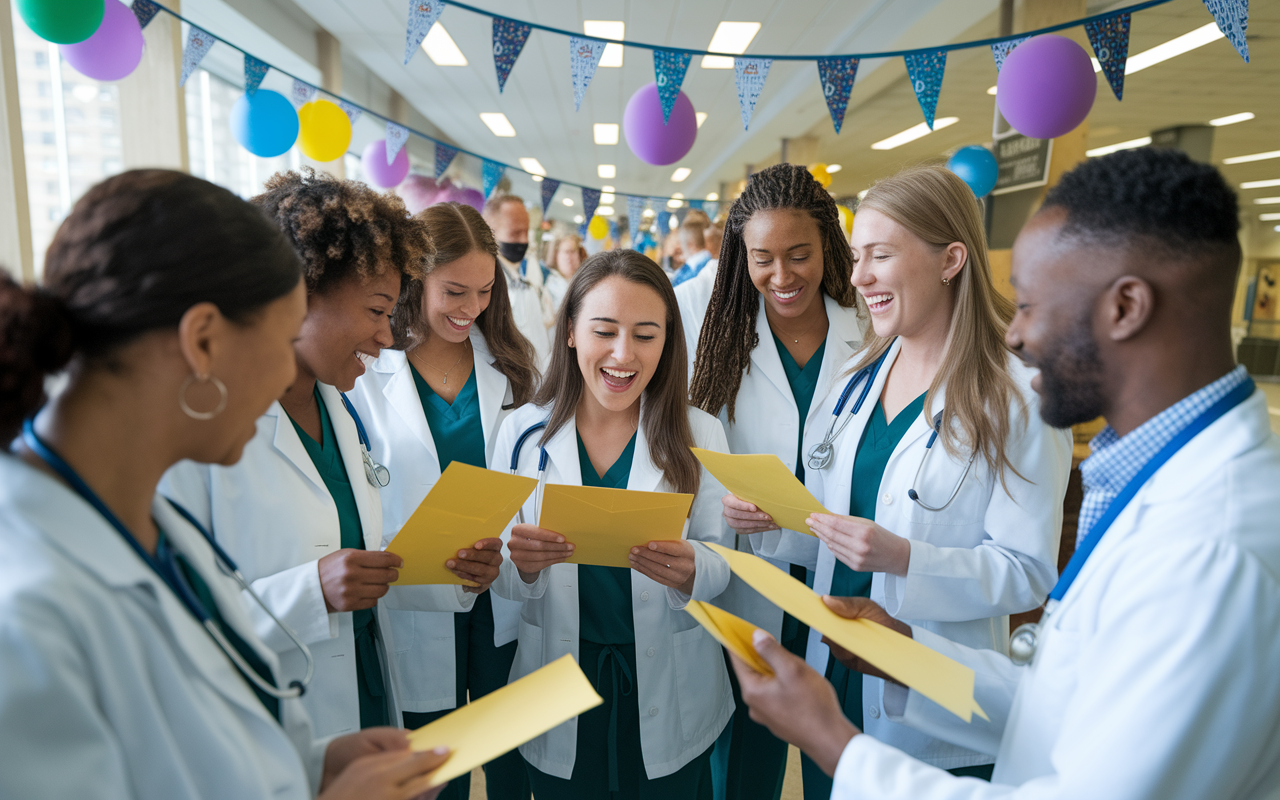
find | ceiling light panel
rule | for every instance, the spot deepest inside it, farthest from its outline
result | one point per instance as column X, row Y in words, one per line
column 1232, row 119
column 607, row 29
column 604, row 211
column 1267, row 201
column 700, row 116
column 1269, row 217
column 680, row 174
column 913, row 133
column 1115, row 148
column 568, row 201
column 498, row 123
column 605, row 132
column 730, row 37
column 441, row 48
column 606, row 171
column 1253, row 157
column 1260, row 184
column 1174, row 47
column 532, row 166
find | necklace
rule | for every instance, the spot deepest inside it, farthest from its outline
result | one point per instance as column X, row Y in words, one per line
column 804, row 333
column 444, row 372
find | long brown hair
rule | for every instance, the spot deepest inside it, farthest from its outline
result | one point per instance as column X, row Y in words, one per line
column 457, row 230
column 934, row 204
column 729, row 330
column 666, row 422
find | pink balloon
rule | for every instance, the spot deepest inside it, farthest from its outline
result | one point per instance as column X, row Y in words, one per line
column 1046, row 87
column 113, row 51
column 418, row 192
column 651, row 140
column 376, row 168
column 473, row 198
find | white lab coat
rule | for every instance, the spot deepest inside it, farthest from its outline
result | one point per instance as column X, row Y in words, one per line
column 987, row 555
column 1156, row 676
column 386, row 398
column 766, row 419
column 110, row 688
column 533, row 315
column 683, row 686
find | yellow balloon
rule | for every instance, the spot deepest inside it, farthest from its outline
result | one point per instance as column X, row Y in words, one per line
column 599, row 227
column 324, row 131
column 820, row 174
column 846, row 220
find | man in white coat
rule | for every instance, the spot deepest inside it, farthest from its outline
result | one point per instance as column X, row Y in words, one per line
column 1153, row 671
column 529, row 283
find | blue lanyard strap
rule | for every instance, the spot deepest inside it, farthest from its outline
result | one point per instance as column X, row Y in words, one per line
column 1210, row 415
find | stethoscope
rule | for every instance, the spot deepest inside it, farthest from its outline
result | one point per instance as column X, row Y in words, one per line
column 168, row 572
column 542, row 465
column 377, row 474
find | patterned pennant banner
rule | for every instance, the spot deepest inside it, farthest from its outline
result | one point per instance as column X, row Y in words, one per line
column 836, row 75
column 1232, row 17
column 353, row 113
column 1110, row 40
column 635, row 210
column 925, row 71
column 1001, row 50
column 491, row 172
column 508, row 40
column 444, row 157
column 669, row 68
column 548, row 193
column 681, row 213
column 584, row 57
column 748, row 76
column 664, row 225
column 396, row 137
column 198, row 44
column 254, row 72
column 590, row 202
column 422, row 15
column 145, row 11
column 696, row 204
column 712, row 207
column 301, row 93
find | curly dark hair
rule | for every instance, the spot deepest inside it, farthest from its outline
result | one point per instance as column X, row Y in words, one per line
column 342, row 229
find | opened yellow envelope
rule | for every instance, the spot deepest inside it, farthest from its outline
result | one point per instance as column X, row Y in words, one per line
column 732, row 632
column 604, row 524
column 944, row 681
column 466, row 505
column 765, row 481
column 504, row 719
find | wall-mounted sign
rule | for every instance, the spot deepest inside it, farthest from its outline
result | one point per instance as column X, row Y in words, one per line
column 1023, row 162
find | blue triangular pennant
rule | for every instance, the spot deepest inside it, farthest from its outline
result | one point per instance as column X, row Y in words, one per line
column 664, row 225
column 444, row 157
column 548, row 193
column 491, row 173
column 422, row 15
column 836, row 74
column 669, row 68
column 1232, row 17
column 1110, row 40
column 590, row 202
column 1001, row 50
column 145, row 11
column 749, row 75
column 925, row 71
column 396, row 136
column 696, row 204
column 198, row 44
column 254, row 72
column 584, row 57
column 635, row 210
column 509, row 37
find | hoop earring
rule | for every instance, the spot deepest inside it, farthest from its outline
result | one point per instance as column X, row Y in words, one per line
column 203, row 416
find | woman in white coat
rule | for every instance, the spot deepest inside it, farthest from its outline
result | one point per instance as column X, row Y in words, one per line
column 780, row 323
column 945, row 486
column 458, row 368
column 614, row 405
column 300, row 512
column 174, row 305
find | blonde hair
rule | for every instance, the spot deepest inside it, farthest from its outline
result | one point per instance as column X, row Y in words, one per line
column 937, row 206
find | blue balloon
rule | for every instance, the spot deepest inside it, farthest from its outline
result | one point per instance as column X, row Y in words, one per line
column 977, row 167
column 264, row 123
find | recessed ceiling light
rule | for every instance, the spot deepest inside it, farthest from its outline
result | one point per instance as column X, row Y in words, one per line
column 607, row 29
column 992, row 91
column 498, row 123
column 568, row 201
column 604, row 211
column 1260, row 184
column 577, row 218
column 532, row 166
column 442, row 49
column 536, row 178
column 913, row 133
column 678, row 195
column 701, row 117
column 1254, row 157
column 607, row 171
column 674, row 203
column 712, row 197
column 1269, row 217
column 608, row 198
column 1276, row 228
column 1114, row 148
column 1174, row 47
column 1243, row 116
column 680, row 174
column 605, row 132
column 863, row 193
column 730, row 37
column 834, row 168
column 606, row 189
column 1267, row 201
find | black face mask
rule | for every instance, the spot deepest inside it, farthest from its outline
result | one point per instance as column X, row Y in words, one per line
column 513, row 251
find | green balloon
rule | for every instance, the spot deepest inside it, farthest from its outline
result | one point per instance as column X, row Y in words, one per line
column 63, row 21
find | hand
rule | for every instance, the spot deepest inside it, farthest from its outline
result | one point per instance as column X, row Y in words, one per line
column 861, row 544
column 797, row 704
column 668, row 563
column 533, row 549
column 862, row 608
column 479, row 564
column 345, row 749
column 745, row 517
column 353, row 580
column 390, row 775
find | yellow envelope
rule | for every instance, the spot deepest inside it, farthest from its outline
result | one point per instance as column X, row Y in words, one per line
column 944, row 681
column 604, row 524
column 732, row 632
column 504, row 719
column 765, row 481
column 466, row 505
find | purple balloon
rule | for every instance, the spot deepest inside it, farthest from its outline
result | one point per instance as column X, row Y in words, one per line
column 1046, row 87
column 113, row 51
column 419, row 192
column 473, row 198
column 376, row 168
column 651, row 141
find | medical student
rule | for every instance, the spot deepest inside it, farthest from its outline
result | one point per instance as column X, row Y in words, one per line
column 771, row 333
column 301, row 511
column 458, row 368
column 614, row 406
column 172, row 304
column 944, row 484
column 1152, row 672
column 536, row 292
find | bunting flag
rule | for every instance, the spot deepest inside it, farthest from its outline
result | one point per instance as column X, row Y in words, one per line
column 635, row 210
column 422, row 15
column 491, row 172
column 1232, row 17
column 748, row 76
column 584, row 57
column 664, row 225
column 444, row 157
column 681, row 213
column 669, row 68
column 198, row 44
column 590, row 202
column 1001, row 50
column 712, row 207
column 1110, row 40
column 836, row 75
column 254, row 72
column 548, row 193
column 351, row 110
column 696, row 204
column 925, row 71
column 145, row 11
column 396, row 137
column 301, row 93
column 508, row 40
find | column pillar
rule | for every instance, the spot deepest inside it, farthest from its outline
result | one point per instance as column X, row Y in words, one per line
column 153, row 109
column 15, row 220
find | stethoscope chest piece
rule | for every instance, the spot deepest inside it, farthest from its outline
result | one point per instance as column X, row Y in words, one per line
column 820, row 455
column 1023, row 643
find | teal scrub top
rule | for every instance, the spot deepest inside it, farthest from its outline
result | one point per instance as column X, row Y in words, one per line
column 604, row 593
column 328, row 461
column 455, row 428
column 803, row 382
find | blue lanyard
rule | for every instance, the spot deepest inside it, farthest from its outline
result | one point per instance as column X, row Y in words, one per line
column 360, row 431
column 1210, row 415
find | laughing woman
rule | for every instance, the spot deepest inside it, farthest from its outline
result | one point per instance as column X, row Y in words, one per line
column 614, row 404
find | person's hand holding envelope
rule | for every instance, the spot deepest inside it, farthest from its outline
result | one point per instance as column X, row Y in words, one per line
column 764, row 494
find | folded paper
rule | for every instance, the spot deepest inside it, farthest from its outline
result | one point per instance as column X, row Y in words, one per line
column 732, row 632
column 604, row 524
column 765, row 481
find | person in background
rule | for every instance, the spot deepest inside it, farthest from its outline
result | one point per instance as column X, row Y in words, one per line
column 714, row 237
column 567, row 254
column 694, row 246
column 672, row 254
column 533, row 301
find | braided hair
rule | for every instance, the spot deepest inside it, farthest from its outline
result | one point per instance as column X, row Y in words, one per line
column 729, row 331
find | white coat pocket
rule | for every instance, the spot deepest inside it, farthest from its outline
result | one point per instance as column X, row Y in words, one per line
column 702, row 679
